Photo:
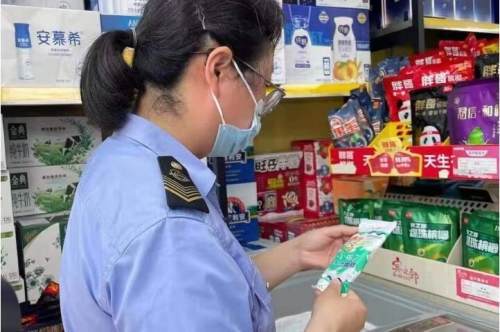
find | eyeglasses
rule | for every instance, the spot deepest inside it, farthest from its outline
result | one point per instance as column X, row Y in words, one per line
column 272, row 98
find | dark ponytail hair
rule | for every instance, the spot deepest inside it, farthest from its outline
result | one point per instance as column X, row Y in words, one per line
column 168, row 34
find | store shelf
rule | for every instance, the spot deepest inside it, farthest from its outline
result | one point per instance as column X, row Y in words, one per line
column 433, row 23
column 319, row 90
column 40, row 96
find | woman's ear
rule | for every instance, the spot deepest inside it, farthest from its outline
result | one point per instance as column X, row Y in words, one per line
column 219, row 67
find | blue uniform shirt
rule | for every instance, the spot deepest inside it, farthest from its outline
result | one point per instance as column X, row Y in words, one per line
column 132, row 263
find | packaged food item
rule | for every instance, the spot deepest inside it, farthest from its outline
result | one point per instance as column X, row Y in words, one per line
column 473, row 116
column 429, row 116
column 372, row 107
column 315, row 177
column 274, row 230
column 350, row 126
column 455, row 48
column 349, row 187
column 352, row 211
column 38, row 141
column 393, row 211
column 387, row 67
column 430, row 231
column 446, row 74
column 480, row 241
column 355, row 254
column 490, row 47
column 299, row 227
column 486, row 66
column 431, row 57
column 278, row 185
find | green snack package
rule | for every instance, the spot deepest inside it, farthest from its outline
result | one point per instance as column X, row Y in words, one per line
column 353, row 210
column 480, row 241
column 393, row 211
column 430, row 231
column 355, row 253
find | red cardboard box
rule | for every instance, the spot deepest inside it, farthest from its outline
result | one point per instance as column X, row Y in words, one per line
column 315, row 178
column 278, row 185
column 302, row 226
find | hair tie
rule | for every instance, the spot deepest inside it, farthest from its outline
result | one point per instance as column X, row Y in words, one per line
column 128, row 53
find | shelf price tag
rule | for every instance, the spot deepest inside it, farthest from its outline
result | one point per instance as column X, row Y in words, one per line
column 480, row 287
column 478, row 162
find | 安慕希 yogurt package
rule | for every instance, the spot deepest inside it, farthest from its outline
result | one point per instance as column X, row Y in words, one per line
column 473, row 116
column 355, row 253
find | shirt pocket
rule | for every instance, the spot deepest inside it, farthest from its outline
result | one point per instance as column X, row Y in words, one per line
column 262, row 311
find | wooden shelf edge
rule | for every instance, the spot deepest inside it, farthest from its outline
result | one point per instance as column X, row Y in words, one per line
column 460, row 25
column 39, row 96
column 319, row 90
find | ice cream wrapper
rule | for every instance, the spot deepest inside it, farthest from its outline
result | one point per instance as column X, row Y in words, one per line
column 352, row 258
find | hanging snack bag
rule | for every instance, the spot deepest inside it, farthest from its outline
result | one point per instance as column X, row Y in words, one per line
column 432, row 57
column 473, row 116
column 353, row 210
column 397, row 89
column 486, row 66
column 371, row 107
column 350, row 126
column 429, row 117
column 480, row 241
column 393, row 211
column 430, row 231
column 352, row 258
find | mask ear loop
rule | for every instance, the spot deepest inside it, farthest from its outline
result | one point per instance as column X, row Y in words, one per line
column 245, row 81
column 217, row 104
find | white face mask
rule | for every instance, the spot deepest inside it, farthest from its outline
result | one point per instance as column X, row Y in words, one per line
column 231, row 139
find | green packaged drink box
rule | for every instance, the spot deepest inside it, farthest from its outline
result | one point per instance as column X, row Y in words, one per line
column 393, row 211
column 430, row 231
column 353, row 210
column 480, row 241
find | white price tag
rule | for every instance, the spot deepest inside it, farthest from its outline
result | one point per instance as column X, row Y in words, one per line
column 480, row 290
column 476, row 166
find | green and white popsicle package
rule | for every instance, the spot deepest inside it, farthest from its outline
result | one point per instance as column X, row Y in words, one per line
column 355, row 253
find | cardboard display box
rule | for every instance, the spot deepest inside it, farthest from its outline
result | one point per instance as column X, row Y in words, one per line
column 38, row 141
column 44, row 189
column 278, row 185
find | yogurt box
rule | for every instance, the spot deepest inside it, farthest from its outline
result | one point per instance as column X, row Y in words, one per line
column 326, row 44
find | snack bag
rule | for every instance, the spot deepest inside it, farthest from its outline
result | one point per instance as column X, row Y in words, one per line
column 486, row 66
column 355, row 253
column 455, row 48
column 429, row 116
column 352, row 211
column 473, row 116
column 393, row 211
column 432, row 57
column 371, row 107
column 350, row 126
column 397, row 90
column 480, row 241
column 490, row 47
column 430, row 231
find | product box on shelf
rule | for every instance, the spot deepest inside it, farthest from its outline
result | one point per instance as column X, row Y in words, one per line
column 37, row 141
column 464, row 9
column 40, row 248
column 45, row 47
column 241, row 190
column 63, row 4
column 315, row 178
column 118, row 7
column 348, row 187
column 118, row 22
column 326, row 44
column 278, row 185
column 360, row 4
column 483, row 11
column 275, row 230
column 279, row 69
column 300, row 227
column 6, row 198
column 20, row 290
column 43, row 189
column 9, row 259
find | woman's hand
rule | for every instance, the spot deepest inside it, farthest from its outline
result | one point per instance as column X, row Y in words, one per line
column 334, row 313
column 316, row 249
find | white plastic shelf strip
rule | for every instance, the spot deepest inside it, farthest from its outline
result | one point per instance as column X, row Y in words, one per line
column 464, row 205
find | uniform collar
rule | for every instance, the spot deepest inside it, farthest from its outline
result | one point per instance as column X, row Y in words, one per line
column 161, row 143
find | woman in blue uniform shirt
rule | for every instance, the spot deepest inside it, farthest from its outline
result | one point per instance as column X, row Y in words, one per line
column 146, row 247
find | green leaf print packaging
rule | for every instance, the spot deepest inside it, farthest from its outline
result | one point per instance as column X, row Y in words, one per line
column 430, row 231
column 355, row 253
column 353, row 210
column 480, row 241
column 393, row 211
